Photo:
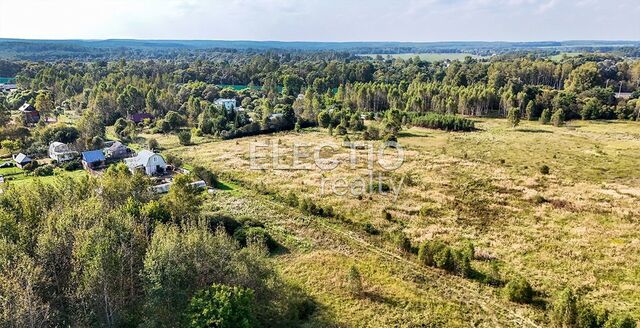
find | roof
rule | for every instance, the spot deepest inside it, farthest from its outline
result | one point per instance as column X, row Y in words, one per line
column 117, row 146
column 93, row 156
column 21, row 158
column 140, row 160
column 139, row 117
column 27, row 107
column 221, row 100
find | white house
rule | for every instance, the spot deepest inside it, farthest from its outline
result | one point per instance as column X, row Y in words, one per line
column 61, row 152
column 8, row 87
column 148, row 161
column 228, row 104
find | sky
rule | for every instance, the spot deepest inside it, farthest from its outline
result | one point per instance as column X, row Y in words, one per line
column 323, row 20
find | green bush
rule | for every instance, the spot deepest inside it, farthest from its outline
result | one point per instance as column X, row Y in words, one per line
column 72, row 165
column 544, row 169
column 558, row 117
column 184, row 137
column 370, row 229
column 43, row 171
column 545, row 118
column 205, row 175
column 620, row 321
column 400, row 240
column 223, row 307
column 443, row 122
column 518, row 290
column 251, row 235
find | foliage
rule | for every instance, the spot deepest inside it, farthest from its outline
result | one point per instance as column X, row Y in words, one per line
column 443, row 122
column 518, row 290
column 184, row 137
column 222, row 306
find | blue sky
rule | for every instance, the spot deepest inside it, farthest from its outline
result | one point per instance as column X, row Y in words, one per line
column 323, row 20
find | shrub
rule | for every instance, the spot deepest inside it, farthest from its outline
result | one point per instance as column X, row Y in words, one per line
column 544, row 169
column 443, row 259
column 545, row 118
column 222, row 306
column 228, row 223
column 621, row 321
column 252, row 235
column 153, row 144
column 354, row 281
column 206, row 175
column 370, row 229
column 184, row 137
column 518, row 290
column 558, row 117
column 446, row 122
column 31, row 166
column 173, row 160
column 513, row 116
column 400, row 240
column 72, row 165
column 372, row 133
column 43, row 171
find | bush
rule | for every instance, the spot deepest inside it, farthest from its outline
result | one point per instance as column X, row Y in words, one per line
column 354, row 280
column 621, row 321
column 153, row 144
column 513, row 116
column 228, row 223
column 544, row 169
column 545, row 118
column 173, row 160
column 72, row 165
column 558, row 117
column 400, row 240
column 43, row 171
column 206, row 175
column 222, row 306
column 252, row 235
column 31, row 166
column 446, row 122
column 370, row 229
column 518, row 290
column 184, row 137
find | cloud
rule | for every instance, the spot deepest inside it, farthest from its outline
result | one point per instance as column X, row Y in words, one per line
column 322, row 20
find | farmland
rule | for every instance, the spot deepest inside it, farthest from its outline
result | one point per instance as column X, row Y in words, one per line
column 574, row 226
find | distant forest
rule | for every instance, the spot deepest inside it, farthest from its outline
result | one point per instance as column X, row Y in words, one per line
column 49, row 50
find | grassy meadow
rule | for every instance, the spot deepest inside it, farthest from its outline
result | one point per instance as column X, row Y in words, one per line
column 575, row 225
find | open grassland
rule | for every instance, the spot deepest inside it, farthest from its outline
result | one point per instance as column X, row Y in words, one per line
column 317, row 253
column 576, row 226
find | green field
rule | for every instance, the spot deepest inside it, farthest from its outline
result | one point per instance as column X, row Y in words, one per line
column 575, row 226
column 17, row 176
column 432, row 57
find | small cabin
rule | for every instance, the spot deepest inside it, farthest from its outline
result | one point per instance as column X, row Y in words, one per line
column 29, row 113
column 93, row 159
column 22, row 160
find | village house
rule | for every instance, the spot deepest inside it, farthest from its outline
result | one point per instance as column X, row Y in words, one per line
column 228, row 104
column 29, row 113
column 148, row 162
column 140, row 117
column 8, row 87
column 22, row 160
column 93, row 159
column 117, row 151
column 61, row 153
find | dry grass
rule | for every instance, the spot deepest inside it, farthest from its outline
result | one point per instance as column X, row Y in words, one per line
column 481, row 187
